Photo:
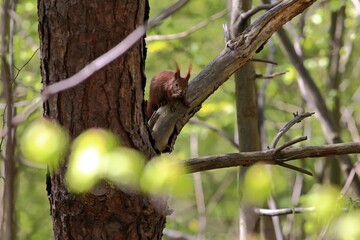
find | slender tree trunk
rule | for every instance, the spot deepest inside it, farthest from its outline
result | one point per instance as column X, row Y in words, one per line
column 73, row 33
column 337, row 26
column 247, row 114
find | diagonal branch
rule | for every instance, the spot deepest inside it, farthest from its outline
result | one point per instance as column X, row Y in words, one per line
column 167, row 125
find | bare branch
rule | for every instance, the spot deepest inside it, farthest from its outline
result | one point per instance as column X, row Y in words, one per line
column 95, row 65
column 283, row 211
column 268, row 156
column 176, row 235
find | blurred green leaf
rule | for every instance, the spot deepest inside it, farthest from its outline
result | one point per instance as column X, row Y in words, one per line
column 123, row 166
column 45, row 142
column 85, row 161
column 328, row 204
column 162, row 176
column 347, row 226
column 257, row 184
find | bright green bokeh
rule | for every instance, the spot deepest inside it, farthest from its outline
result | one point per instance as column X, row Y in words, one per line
column 163, row 175
column 44, row 142
column 123, row 166
column 85, row 162
column 328, row 204
column 257, row 184
column 347, row 226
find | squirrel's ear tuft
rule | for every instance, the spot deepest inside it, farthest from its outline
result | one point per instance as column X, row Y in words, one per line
column 189, row 71
column 177, row 72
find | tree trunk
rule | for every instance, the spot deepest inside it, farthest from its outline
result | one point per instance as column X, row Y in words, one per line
column 72, row 34
column 247, row 115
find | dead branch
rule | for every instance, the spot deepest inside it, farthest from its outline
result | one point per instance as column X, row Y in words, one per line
column 269, row 156
column 236, row 53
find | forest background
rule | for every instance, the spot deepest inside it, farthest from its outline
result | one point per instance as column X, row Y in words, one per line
column 211, row 208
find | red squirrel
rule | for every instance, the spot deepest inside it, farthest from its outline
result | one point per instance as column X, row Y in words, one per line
column 165, row 87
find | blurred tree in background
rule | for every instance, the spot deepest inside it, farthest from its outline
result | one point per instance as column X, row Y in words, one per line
column 323, row 39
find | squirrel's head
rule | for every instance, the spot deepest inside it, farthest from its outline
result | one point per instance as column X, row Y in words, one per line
column 180, row 84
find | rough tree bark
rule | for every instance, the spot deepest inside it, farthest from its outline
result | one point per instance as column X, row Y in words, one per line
column 73, row 33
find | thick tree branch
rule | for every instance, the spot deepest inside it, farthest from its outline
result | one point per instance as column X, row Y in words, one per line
column 167, row 125
column 269, row 156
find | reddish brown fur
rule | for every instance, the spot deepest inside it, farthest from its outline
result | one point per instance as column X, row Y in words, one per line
column 166, row 86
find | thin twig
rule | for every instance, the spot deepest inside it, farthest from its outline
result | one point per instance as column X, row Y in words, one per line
column 271, row 76
column 252, row 12
column 350, row 177
column 26, row 63
column 297, row 118
column 189, row 31
column 282, row 161
column 264, row 61
column 167, row 12
column 289, row 143
column 219, row 131
column 295, row 168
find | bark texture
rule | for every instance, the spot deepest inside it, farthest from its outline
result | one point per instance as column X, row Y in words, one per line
column 72, row 34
